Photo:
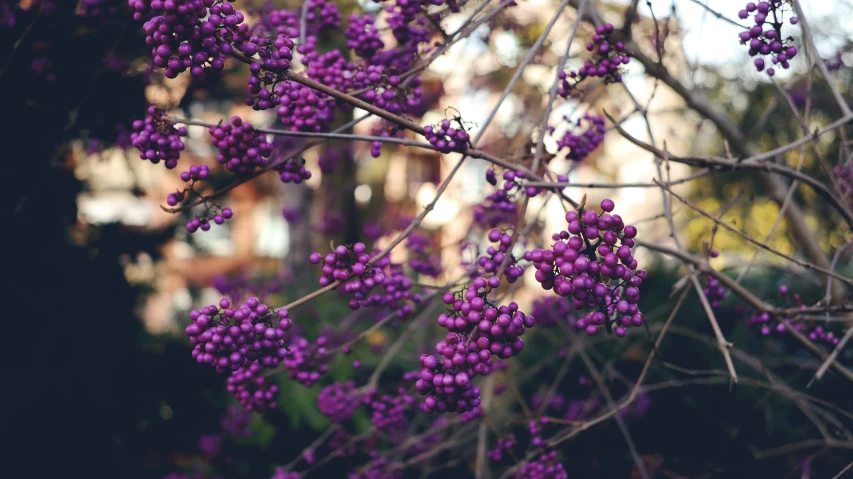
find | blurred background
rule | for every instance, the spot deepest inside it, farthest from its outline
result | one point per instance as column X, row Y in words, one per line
column 101, row 279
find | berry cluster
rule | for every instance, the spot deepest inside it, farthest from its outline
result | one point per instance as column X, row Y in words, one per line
column 379, row 467
column 714, row 291
column 608, row 57
column 251, row 389
column 188, row 34
column 582, row 263
column 362, row 36
column 196, row 173
column 172, row 199
column 203, row 222
column 552, row 310
column 280, row 473
column 543, row 467
column 338, row 401
column 157, row 139
column 420, row 259
column 446, row 138
column 844, row 179
column 293, row 171
column 393, row 293
column 446, row 378
column 236, row 421
column 496, row 209
column 348, row 261
column 389, row 412
column 494, row 258
column 535, row 428
column 504, row 443
column 242, row 149
column 264, row 75
column 307, row 361
column 585, row 136
column 229, row 338
column 770, row 42
column 765, row 322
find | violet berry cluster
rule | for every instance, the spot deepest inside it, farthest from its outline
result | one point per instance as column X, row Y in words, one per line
column 768, row 324
column 267, row 73
column 446, row 138
column 765, row 39
column 189, row 35
column 608, row 57
column 251, row 389
column 242, row 149
column 500, row 207
column 351, row 261
column 477, row 329
column 228, row 338
column 389, row 412
column 421, row 259
column 196, row 173
column 714, row 291
column 307, row 361
column 203, row 222
column 503, row 444
column 494, row 258
column 293, row 171
column 157, row 139
column 586, row 265
column 338, row 401
column 552, row 311
column 844, row 179
column 280, row 473
column 585, row 135
column 543, row 467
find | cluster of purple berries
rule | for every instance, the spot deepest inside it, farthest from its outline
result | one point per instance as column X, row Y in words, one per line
column 251, row 389
column 188, row 34
column 552, row 310
column 389, row 412
column 172, row 199
column 770, row 42
column 196, row 173
column 338, row 401
column 844, row 180
column 714, row 291
column 203, row 222
column 764, row 321
column 379, row 467
column 446, row 138
column 236, row 421
column 229, row 338
column 293, row 171
column 420, row 258
column 393, row 293
column 503, row 444
column 362, row 36
column 477, row 330
column 494, row 258
column 584, row 138
column 242, row 149
column 543, row 467
column 157, row 139
column 307, row 361
column 280, row 473
column 350, row 261
column 264, row 75
column 608, row 57
column 498, row 208
column 582, row 264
